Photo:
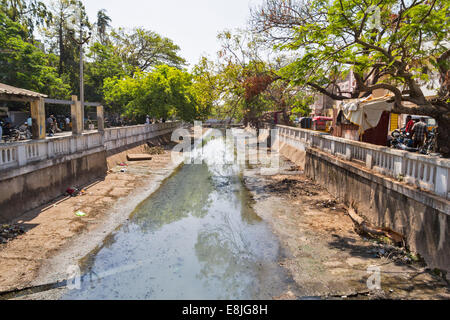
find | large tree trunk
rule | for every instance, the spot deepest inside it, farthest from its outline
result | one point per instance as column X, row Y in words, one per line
column 443, row 135
column 61, row 50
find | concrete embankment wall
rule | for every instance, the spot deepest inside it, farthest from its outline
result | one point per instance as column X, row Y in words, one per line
column 34, row 185
column 120, row 155
column 421, row 217
column 31, row 190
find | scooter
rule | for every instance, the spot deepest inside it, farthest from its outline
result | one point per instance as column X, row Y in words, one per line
column 430, row 146
column 16, row 134
column 402, row 141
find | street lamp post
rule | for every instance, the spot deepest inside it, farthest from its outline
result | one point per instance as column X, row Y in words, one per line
column 80, row 43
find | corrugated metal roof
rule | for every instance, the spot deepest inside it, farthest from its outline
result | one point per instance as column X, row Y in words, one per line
column 13, row 91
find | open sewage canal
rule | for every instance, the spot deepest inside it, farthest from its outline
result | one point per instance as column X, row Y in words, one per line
column 197, row 237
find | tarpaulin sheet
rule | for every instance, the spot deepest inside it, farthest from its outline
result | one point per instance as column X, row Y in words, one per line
column 366, row 113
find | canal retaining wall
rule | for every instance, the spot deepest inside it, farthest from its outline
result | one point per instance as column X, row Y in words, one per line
column 31, row 190
column 407, row 193
column 35, row 172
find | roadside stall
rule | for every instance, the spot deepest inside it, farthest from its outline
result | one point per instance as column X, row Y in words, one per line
column 368, row 119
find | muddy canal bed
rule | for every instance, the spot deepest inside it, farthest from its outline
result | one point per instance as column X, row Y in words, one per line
column 216, row 231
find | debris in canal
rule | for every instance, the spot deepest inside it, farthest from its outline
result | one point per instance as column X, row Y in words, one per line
column 139, row 157
column 80, row 214
column 75, row 192
column 362, row 227
column 155, row 150
column 10, row 232
column 326, row 203
column 389, row 244
column 294, row 188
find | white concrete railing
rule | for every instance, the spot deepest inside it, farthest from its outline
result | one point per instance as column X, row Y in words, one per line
column 16, row 155
column 22, row 153
column 428, row 173
column 120, row 137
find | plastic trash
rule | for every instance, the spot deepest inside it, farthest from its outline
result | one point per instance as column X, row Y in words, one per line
column 80, row 214
column 73, row 192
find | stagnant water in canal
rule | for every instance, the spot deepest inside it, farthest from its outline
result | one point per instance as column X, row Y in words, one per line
column 197, row 237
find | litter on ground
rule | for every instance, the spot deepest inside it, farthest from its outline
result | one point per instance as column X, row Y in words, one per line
column 80, row 214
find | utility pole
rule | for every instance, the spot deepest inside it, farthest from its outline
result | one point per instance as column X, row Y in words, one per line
column 80, row 43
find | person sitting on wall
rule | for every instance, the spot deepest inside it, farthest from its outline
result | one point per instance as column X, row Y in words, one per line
column 55, row 125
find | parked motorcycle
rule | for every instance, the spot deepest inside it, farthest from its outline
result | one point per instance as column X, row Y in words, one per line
column 16, row 134
column 403, row 141
column 430, row 146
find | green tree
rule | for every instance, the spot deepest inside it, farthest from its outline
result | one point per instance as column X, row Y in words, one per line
column 245, row 76
column 145, row 49
column 162, row 93
column 103, row 22
column 103, row 64
column 57, row 36
column 205, row 88
column 25, row 66
column 28, row 13
column 69, row 17
column 388, row 44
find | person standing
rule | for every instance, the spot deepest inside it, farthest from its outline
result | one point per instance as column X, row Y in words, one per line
column 50, row 125
column 67, row 123
column 409, row 124
column 420, row 133
column 147, row 120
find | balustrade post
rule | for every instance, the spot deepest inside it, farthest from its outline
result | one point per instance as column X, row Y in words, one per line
column 369, row 159
column 442, row 182
column 100, row 119
column 21, row 155
column 348, row 152
column 398, row 166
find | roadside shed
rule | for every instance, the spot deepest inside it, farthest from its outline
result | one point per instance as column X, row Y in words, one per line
column 37, row 103
column 365, row 120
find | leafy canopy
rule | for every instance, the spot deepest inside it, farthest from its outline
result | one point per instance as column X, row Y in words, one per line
column 24, row 65
column 162, row 93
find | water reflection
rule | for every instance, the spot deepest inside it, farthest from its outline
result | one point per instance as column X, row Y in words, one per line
column 185, row 194
column 195, row 238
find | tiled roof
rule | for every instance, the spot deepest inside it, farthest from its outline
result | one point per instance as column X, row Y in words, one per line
column 13, row 91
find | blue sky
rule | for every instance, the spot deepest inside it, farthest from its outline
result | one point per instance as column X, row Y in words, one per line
column 193, row 25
